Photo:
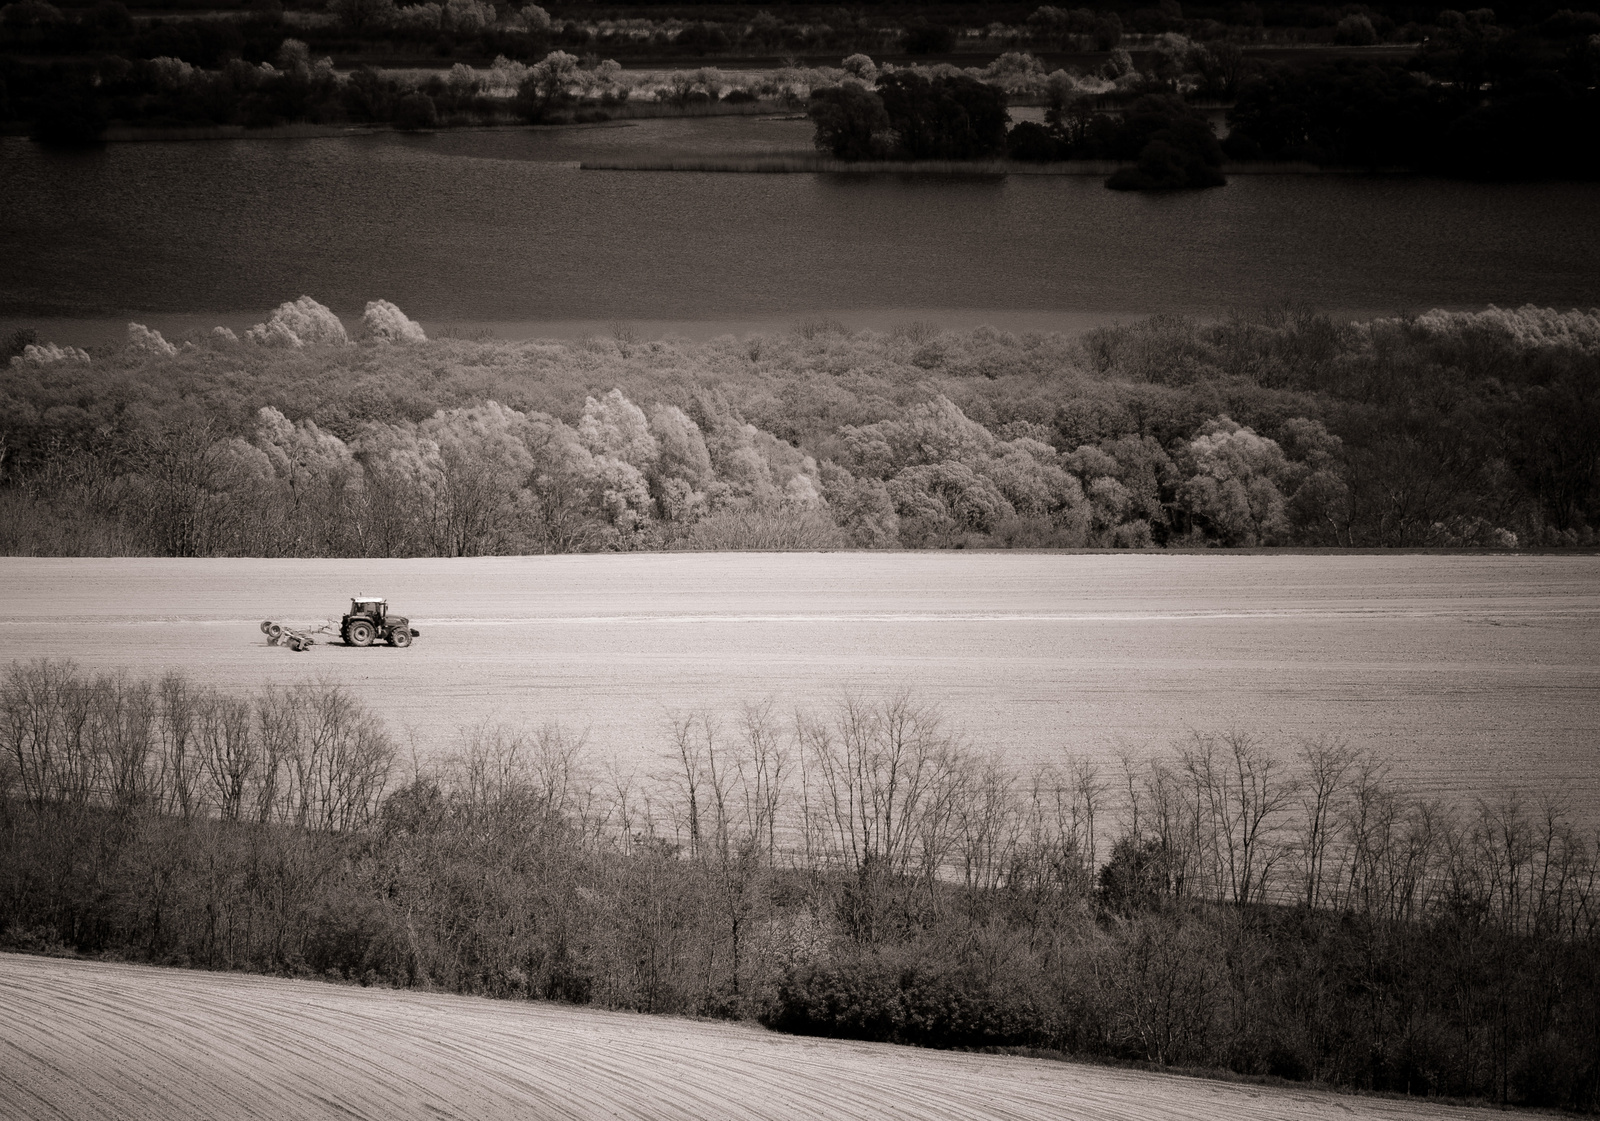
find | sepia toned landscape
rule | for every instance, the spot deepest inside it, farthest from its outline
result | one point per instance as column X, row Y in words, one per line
column 722, row 560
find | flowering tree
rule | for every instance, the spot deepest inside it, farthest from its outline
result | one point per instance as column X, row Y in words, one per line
column 548, row 86
column 1232, row 489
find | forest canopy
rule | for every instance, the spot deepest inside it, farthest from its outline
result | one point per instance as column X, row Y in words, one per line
column 1285, row 427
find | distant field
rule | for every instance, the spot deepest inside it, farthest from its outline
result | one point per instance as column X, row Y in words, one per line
column 1470, row 674
column 85, row 1040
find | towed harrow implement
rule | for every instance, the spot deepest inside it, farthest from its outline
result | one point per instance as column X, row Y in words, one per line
column 278, row 634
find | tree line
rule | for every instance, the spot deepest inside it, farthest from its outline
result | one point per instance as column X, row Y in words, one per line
column 850, row 869
column 1282, row 428
column 1476, row 100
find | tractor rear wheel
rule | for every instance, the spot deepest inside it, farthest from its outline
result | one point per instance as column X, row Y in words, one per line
column 400, row 636
column 361, row 633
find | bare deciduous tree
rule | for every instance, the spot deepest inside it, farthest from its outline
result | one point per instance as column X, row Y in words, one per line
column 1324, row 764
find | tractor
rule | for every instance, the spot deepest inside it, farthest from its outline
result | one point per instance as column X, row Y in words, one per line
column 369, row 620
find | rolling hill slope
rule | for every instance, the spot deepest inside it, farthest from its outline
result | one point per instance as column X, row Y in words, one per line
column 82, row 1040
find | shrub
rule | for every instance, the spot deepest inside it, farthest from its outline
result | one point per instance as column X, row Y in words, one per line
column 1176, row 148
column 383, row 320
column 851, row 122
column 1355, row 31
column 13, row 345
column 925, row 37
column 764, row 531
column 1545, row 1071
column 415, row 111
column 69, row 119
column 951, row 117
column 142, row 340
column 1031, row 142
column 902, row 995
column 296, row 323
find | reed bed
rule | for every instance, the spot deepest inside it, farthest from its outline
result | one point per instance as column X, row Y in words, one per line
column 778, row 164
column 803, row 164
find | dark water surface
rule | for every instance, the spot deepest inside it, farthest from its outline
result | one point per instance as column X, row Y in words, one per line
column 503, row 226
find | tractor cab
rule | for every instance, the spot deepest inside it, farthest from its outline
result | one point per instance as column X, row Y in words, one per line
column 370, row 606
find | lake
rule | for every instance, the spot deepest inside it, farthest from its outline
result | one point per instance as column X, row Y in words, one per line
column 1470, row 675
column 502, row 227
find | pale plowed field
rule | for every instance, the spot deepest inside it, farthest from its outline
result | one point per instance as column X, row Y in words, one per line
column 1470, row 674
column 83, row 1041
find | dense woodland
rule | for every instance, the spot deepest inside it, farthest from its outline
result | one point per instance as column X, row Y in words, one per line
column 852, row 870
column 1279, row 428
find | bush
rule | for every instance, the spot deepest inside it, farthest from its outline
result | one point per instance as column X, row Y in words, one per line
column 899, row 996
column 952, row 117
column 851, row 122
column 1545, row 1071
column 15, row 343
column 70, row 119
column 415, row 111
column 1176, row 147
column 353, row 937
column 925, row 37
column 1287, row 1061
column 1355, row 31
column 1031, row 142
column 763, row 531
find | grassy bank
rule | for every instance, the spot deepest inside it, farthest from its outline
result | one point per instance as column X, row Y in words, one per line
column 812, row 164
column 616, row 117
column 124, row 134
column 135, row 134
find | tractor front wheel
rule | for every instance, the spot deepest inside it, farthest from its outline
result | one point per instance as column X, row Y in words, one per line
column 400, row 636
column 361, row 633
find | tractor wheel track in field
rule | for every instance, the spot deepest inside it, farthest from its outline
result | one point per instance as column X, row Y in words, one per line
column 81, row 1040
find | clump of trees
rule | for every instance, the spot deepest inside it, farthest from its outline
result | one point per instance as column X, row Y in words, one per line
column 1282, row 428
column 310, row 756
column 854, row 869
column 911, row 117
column 1462, row 115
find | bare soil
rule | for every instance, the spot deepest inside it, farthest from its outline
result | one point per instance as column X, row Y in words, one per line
column 89, row 1040
column 1471, row 675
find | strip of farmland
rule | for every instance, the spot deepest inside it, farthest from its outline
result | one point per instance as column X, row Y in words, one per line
column 82, row 1040
column 1466, row 674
